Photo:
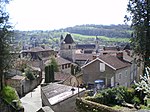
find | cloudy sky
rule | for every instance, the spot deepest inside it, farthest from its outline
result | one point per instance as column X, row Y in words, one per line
column 55, row 14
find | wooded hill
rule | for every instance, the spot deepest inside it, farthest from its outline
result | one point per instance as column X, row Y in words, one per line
column 117, row 31
column 80, row 33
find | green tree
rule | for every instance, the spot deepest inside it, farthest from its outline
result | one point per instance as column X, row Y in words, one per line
column 30, row 75
column 4, row 41
column 51, row 73
column 139, row 11
column 55, row 64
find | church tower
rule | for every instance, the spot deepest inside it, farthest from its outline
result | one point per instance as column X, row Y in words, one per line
column 67, row 48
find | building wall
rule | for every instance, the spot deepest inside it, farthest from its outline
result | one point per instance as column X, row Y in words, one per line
column 17, row 84
column 123, row 77
column 31, row 84
column 66, row 68
column 68, row 54
column 92, row 73
column 68, row 51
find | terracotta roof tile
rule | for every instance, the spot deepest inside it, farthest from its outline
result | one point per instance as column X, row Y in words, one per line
column 114, row 61
column 84, row 56
column 62, row 61
column 111, row 61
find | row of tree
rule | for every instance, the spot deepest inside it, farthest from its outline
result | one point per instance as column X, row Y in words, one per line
column 117, row 31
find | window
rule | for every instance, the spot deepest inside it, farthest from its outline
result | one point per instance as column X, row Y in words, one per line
column 69, row 65
column 126, row 73
column 119, row 76
column 65, row 65
column 62, row 66
column 69, row 47
column 102, row 67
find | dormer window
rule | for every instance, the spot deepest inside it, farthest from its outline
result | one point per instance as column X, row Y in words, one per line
column 102, row 67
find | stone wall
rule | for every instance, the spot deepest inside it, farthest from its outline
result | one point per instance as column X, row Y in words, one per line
column 89, row 106
column 31, row 84
column 6, row 107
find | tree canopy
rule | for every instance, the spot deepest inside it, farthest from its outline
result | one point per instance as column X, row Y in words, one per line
column 4, row 40
column 139, row 11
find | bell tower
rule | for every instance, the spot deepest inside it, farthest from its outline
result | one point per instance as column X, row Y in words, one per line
column 67, row 48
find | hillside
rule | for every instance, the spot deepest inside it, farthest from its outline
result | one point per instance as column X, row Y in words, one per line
column 112, row 31
column 81, row 34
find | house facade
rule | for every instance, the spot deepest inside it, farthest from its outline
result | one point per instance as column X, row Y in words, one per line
column 112, row 70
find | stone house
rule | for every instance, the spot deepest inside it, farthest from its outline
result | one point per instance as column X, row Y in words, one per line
column 113, row 70
column 64, row 65
column 17, row 82
column 61, row 98
column 37, row 56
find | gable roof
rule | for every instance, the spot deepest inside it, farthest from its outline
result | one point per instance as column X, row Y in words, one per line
column 68, row 39
column 37, row 49
column 60, row 61
column 85, row 46
column 111, row 61
column 83, row 56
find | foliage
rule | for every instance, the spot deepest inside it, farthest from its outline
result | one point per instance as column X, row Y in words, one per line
column 4, row 40
column 84, row 105
column 144, row 84
column 75, row 69
column 114, row 31
column 139, row 15
column 9, row 94
column 30, row 75
column 145, row 107
column 54, row 63
column 114, row 96
column 49, row 74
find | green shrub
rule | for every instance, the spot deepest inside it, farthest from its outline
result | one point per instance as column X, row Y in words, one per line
column 9, row 94
column 136, row 100
column 30, row 75
column 113, row 96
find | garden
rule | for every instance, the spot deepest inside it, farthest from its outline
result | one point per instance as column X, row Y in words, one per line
column 134, row 97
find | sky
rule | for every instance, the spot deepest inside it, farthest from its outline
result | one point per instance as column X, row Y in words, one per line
column 55, row 14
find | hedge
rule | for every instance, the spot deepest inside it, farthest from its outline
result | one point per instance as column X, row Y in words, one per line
column 89, row 106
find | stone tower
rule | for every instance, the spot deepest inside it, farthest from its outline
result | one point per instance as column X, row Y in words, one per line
column 67, row 48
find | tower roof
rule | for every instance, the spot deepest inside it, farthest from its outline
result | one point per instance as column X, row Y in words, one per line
column 68, row 39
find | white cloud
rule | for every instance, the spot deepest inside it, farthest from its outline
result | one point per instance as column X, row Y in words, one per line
column 53, row 14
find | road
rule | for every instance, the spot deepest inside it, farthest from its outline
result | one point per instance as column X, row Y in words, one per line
column 32, row 101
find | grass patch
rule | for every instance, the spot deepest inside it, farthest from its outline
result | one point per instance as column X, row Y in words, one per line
column 145, row 107
column 117, row 107
column 9, row 94
column 79, row 36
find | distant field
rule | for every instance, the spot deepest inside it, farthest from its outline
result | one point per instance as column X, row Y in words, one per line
column 79, row 37
column 101, row 37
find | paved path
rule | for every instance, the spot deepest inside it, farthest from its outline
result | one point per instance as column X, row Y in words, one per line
column 32, row 101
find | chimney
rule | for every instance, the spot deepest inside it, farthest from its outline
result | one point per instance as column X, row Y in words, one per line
column 119, row 55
